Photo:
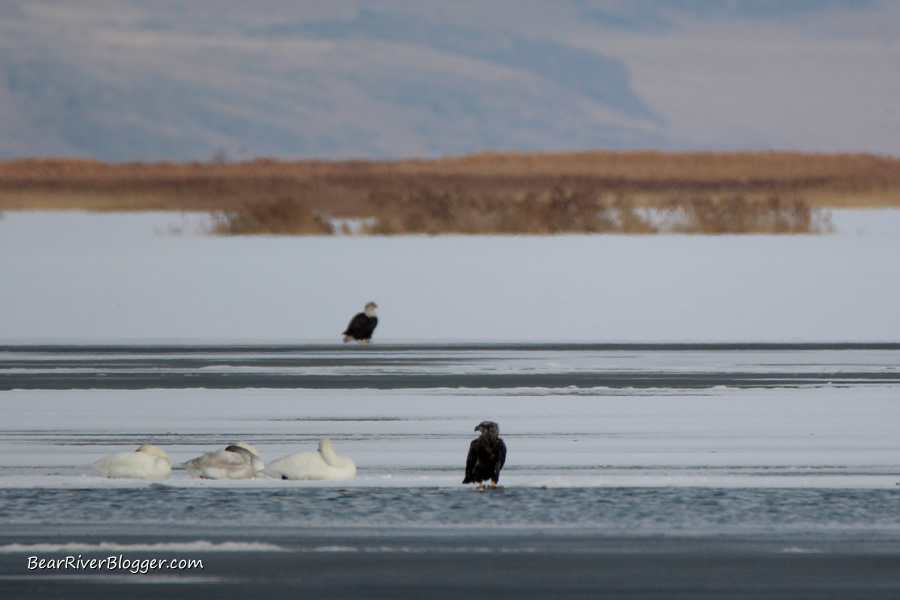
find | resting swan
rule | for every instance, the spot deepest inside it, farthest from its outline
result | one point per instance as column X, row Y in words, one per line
column 321, row 464
column 147, row 462
column 236, row 461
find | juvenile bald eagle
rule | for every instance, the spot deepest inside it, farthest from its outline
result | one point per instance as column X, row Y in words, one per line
column 362, row 325
column 487, row 454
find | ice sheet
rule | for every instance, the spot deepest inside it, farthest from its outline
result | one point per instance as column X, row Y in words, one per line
column 86, row 277
column 806, row 437
column 74, row 277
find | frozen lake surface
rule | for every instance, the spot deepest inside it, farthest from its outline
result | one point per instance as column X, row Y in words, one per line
column 734, row 415
column 705, row 464
column 683, row 413
column 124, row 278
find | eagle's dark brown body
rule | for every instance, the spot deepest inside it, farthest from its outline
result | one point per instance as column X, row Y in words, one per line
column 362, row 325
column 487, row 455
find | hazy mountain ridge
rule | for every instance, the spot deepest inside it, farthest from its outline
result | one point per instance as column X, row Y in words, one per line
column 118, row 80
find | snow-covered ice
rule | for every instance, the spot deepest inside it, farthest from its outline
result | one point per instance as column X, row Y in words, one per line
column 74, row 277
column 79, row 278
column 806, row 437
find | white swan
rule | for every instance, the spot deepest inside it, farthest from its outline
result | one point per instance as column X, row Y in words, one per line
column 147, row 462
column 237, row 461
column 322, row 464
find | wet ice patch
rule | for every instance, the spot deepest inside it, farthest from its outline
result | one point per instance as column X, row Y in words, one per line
column 197, row 546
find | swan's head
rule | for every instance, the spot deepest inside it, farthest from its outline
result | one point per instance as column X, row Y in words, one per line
column 325, row 444
column 153, row 451
column 370, row 309
column 238, row 446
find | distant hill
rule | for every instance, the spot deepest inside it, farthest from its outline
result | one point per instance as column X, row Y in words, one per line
column 129, row 80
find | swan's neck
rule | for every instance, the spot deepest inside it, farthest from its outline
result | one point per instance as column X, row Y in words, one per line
column 328, row 454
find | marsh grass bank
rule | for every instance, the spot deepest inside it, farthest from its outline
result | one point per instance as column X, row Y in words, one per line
column 506, row 193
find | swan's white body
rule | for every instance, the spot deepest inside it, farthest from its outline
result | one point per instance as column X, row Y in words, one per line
column 147, row 462
column 322, row 464
column 237, row 461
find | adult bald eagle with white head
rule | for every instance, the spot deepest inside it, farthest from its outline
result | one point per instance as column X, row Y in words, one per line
column 487, row 455
column 362, row 325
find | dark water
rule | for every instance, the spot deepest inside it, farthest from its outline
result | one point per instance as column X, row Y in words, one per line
column 693, row 543
column 602, row 511
column 494, row 366
column 510, row 566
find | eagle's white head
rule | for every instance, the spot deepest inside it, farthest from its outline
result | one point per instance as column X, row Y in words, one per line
column 370, row 309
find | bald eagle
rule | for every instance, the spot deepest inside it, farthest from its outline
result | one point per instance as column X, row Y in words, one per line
column 362, row 325
column 487, row 454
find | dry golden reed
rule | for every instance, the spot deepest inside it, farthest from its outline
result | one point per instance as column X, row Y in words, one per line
column 538, row 193
column 737, row 214
column 551, row 212
column 284, row 216
column 572, row 211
